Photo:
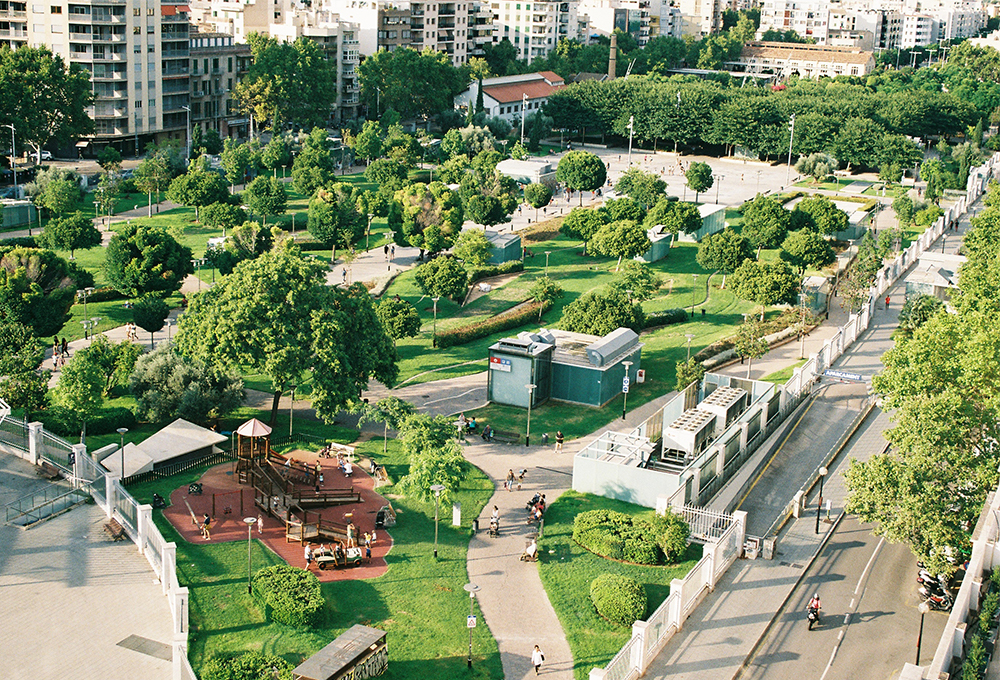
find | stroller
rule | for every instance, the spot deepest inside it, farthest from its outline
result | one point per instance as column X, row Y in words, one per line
column 530, row 553
column 494, row 529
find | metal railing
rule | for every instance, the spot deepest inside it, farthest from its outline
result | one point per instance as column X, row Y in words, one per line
column 35, row 507
column 176, row 468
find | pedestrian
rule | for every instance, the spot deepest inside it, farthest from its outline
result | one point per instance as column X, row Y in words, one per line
column 496, row 514
column 343, row 275
column 537, row 658
column 352, row 535
column 308, row 556
column 559, row 440
column 887, row 302
column 260, row 524
column 392, row 252
column 65, row 348
column 510, row 480
column 288, row 466
column 385, row 250
column 206, row 525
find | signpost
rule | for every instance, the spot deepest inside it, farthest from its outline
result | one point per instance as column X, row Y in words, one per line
column 625, row 383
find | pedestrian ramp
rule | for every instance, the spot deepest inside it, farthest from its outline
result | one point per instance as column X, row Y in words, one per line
column 42, row 505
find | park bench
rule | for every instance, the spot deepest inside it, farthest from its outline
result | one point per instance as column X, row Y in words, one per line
column 506, row 437
column 115, row 530
column 48, row 470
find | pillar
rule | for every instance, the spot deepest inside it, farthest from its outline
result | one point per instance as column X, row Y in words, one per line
column 145, row 520
column 34, row 443
column 639, row 631
column 79, row 451
column 110, row 494
column 169, row 571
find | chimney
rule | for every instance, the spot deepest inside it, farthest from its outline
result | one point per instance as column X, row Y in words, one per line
column 613, row 58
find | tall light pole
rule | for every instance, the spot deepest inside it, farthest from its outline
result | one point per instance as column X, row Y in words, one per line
column 791, row 138
column 83, row 294
column 249, row 521
column 718, row 183
column 13, row 156
column 435, row 328
column 121, row 448
column 437, row 489
column 923, row 608
column 690, row 337
column 758, row 180
column 819, row 501
column 524, row 112
column 625, row 382
column 471, row 589
column 188, row 132
column 631, row 127
column 531, row 397
column 802, row 330
column 547, row 252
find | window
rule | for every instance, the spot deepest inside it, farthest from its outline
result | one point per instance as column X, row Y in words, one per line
column 137, row 30
column 215, row 63
column 55, row 9
column 152, row 121
column 137, row 48
column 136, row 12
column 152, row 103
column 56, row 28
column 230, row 85
column 138, row 103
column 138, row 85
column 230, row 69
column 150, row 12
column 150, row 29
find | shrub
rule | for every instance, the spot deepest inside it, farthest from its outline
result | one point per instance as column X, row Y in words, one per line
column 246, row 666
column 617, row 536
column 290, row 595
column 619, row 599
column 104, row 294
column 512, row 318
column 65, row 423
column 20, row 242
column 667, row 317
column 671, row 533
column 480, row 273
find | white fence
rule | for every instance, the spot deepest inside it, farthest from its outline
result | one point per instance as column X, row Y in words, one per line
column 650, row 636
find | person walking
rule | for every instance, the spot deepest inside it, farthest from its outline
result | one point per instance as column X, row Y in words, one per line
column 537, row 658
column 510, row 480
column 559, row 440
column 308, row 556
column 206, row 525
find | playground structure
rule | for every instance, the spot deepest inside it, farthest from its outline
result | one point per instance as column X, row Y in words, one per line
column 253, row 443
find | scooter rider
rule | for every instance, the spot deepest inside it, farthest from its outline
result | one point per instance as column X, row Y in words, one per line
column 813, row 608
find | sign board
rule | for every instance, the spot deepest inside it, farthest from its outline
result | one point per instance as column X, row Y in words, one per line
column 500, row 364
column 471, row 622
column 843, row 375
column 624, row 389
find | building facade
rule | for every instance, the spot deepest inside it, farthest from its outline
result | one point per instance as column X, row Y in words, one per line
column 217, row 64
column 806, row 61
column 511, row 97
column 535, row 28
column 628, row 16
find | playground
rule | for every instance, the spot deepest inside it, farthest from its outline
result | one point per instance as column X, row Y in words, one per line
column 297, row 499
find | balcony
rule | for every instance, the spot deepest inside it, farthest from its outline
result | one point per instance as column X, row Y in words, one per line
column 446, row 10
column 109, row 56
column 102, row 18
column 13, row 33
column 110, row 113
column 109, row 75
column 13, row 14
column 109, row 37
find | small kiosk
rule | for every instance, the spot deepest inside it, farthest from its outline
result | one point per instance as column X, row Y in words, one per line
column 359, row 653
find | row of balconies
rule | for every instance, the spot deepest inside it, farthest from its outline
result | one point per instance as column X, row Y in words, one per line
column 13, row 14
column 13, row 32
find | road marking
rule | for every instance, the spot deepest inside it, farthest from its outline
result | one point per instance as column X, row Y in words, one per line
column 851, row 606
column 864, row 573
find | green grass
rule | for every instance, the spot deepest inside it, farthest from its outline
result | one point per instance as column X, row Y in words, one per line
column 781, row 376
column 419, row 601
column 567, row 570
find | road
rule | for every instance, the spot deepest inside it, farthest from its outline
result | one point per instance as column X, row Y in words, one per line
column 869, row 594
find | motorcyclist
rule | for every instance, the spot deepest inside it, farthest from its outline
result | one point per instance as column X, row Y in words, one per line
column 813, row 608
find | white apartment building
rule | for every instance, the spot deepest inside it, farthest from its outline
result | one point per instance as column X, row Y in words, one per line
column 666, row 20
column 702, row 17
column 918, row 29
column 628, row 16
column 535, row 28
column 808, row 18
column 882, row 27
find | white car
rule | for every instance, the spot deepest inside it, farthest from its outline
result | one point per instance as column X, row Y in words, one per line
column 46, row 155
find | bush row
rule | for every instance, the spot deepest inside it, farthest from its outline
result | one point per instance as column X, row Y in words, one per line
column 65, row 423
column 619, row 599
column 512, row 318
column 667, row 317
column 246, row 665
column 486, row 271
column 20, row 242
column 290, row 595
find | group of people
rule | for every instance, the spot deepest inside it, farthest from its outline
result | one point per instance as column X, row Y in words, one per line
column 131, row 332
column 344, row 465
column 511, row 479
column 60, row 353
column 536, row 509
column 339, row 549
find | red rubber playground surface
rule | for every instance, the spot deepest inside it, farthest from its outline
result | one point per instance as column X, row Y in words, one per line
column 227, row 518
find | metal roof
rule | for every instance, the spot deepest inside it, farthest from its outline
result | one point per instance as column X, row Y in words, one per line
column 340, row 653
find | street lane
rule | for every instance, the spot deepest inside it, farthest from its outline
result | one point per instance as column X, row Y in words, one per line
column 870, row 619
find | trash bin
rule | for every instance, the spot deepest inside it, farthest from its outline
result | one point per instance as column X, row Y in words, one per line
column 475, row 525
column 545, row 437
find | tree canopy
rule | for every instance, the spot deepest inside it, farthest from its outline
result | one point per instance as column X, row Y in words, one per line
column 430, row 217
column 765, row 222
column 168, row 385
column 765, row 283
column 37, row 289
column 143, row 259
column 70, row 232
column 725, row 251
column 600, row 314
column 581, row 171
column 410, row 82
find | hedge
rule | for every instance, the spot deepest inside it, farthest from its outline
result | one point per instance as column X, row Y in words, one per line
column 619, row 599
column 289, row 595
column 245, row 665
column 310, row 245
column 667, row 317
column 104, row 294
column 512, row 318
column 617, row 536
column 65, row 423
column 485, row 272
column 20, row 242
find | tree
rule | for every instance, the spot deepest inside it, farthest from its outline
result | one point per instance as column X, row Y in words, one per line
column 699, row 178
column 582, row 223
column 142, row 259
column 390, row 411
column 643, row 187
column 198, row 187
column 334, row 216
column 60, row 196
column 287, row 82
column 599, row 314
column 223, row 216
column 433, row 455
column 368, row 143
column 443, row 277
column 37, row 289
column 152, row 175
column 236, row 159
column 110, row 159
column 266, row 196
column 473, row 248
column 581, row 171
column 617, row 209
column 674, row 216
column 275, row 315
column 804, row 248
column 916, row 311
column 387, row 173
column 80, row 388
column 858, row 141
column 167, row 385
column 903, row 207
column 538, row 196
column 430, row 217
column 816, row 165
column 410, row 82
column 149, row 313
column 399, row 318
column 636, row 280
column 765, row 222
column 45, row 98
column 765, row 283
column 620, row 239
column 69, row 233
column 489, row 197
column 750, row 343
column 819, row 214
column 22, row 384
column 724, row 251
column 688, row 372
column 544, row 290
column 115, row 361
column 277, row 154
column 109, row 190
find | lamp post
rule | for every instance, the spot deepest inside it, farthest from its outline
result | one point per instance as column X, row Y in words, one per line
column 249, row 521
column 435, row 328
column 524, row 109
column 802, row 330
column 547, row 252
column 819, row 501
column 167, row 322
column 86, row 326
column 437, row 489
column 531, row 397
column 188, row 132
column 471, row 589
column 13, row 157
column 718, row 183
column 83, row 294
column 631, row 126
column 690, row 337
column 791, row 137
column 758, row 180
column 923, row 608
column 628, row 365
column 121, row 448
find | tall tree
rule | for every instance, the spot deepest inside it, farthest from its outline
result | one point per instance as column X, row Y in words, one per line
column 37, row 289
column 750, row 343
column 473, row 248
column 399, row 318
column 804, row 248
column 197, row 188
column 142, row 259
column 600, row 314
column 266, row 196
column 620, row 239
column 275, row 315
column 674, row 216
column 724, row 251
column 643, row 187
column 152, row 175
column 582, row 223
column 69, row 233
column 537, row 196
column 80, row 389
column 443, row 277
column 819, row 214
column 765, row 283
column 167, row 385
column 765, row 222
column 410, row 82
column 334, row 218
column 581, row 171
column 149, row 313
column 430, row 217
column 22, row 384
column 699, row 178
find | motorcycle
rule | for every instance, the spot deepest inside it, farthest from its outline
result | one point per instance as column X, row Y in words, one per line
column 941, row 603
column 813, row 617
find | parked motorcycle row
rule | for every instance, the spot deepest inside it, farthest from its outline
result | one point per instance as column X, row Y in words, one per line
column 934, row 590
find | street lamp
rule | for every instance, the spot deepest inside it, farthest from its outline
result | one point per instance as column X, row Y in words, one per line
column 690, row 337
column 434, row 332
column 628, row 365
column 167, row 321
column 547, row 252
column 471, row 589
column 630, row 126
column 802, row 329
column 531, row 397
column 94, row 320
column 121, row 447
column 249, row 521
column 13, row 157
column 188, row 131
column 83, row 294
column 791, row 137
column 923, row 608
column 758, row 180
column 524, row 109
column 718, row 183
column 819, row 501
column 437, row 489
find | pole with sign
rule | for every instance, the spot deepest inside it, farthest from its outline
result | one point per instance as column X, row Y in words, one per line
column 625, row 383
column 471, row 589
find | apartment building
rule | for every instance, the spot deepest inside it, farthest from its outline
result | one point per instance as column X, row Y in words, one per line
column 873, row 29
column 702, row 17
column 217, row 63
column 628, row 16
column 535, row 28
column 666, row 20
column 808, row 18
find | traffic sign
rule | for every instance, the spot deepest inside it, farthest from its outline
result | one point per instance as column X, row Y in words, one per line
column 624, row 389
column 470, row 622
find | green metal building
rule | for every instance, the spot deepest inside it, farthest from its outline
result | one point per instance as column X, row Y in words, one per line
column 506, row 247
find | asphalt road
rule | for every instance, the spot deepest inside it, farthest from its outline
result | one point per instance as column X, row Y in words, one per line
column 870, row 619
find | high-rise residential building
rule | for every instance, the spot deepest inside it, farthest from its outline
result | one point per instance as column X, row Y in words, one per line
column 873, row 29
column 217, row 64
column 535, row 28
column 918, row 29
column 628, row 16
column 808, row 18
column 665, row 20
column 702, row 17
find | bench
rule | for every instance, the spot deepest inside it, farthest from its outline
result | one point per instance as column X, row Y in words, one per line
column 506, row 437
column 48, row 470
column 115, row 530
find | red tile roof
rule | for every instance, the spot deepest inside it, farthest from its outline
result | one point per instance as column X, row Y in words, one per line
column 508, row 94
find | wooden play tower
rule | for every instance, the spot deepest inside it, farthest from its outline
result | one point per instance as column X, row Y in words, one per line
column 253, row 443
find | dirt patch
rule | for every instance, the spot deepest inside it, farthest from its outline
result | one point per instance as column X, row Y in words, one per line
column 493, row 282
column 542, row 231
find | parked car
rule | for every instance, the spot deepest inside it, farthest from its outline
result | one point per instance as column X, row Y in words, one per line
column 46, row 155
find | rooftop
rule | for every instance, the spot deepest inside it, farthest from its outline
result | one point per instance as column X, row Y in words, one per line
column 804, row 52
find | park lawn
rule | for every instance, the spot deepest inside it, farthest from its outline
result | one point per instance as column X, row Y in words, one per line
column 781, row 376
column 835, row 185
column 419, row 602
column 567, row 571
